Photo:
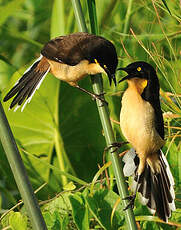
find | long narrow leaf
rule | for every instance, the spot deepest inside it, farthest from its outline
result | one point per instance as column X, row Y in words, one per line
column 165, row 4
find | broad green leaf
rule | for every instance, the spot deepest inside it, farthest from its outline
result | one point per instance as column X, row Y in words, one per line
column 6, row 71
column 81, row 129
column 101, row 205
column 34, row 128
column 79, row 211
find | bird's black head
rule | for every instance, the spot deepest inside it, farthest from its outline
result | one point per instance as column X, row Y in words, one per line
column 139, row 69
column 104, row 52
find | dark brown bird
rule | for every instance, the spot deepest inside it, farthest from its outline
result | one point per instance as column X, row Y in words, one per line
column 69, row 58
column 141, row 122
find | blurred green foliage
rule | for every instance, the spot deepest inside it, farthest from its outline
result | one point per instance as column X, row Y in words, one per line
column 61, row 125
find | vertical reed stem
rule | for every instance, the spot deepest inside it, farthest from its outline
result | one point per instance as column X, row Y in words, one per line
column 104, row 113
column 19, row 172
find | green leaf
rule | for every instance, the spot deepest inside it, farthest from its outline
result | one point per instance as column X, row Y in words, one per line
column 56, row 212
column 61, row 204
column 9, row 9
column 101, row 205
column 15, row 220
column 65, row 222
column 173, row 157
column 79, row 211
column 35, row 128
column 176, row 216
column 52, row 220
column 70, row 186
column 57, row 20
column 6, row 71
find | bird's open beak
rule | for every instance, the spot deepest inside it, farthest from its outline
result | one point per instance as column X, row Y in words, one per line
column 126, row 77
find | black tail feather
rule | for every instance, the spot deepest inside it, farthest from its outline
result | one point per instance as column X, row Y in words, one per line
column 145, row 184
column 26, row 86
column 27, row 76
column 156, row 189
column 160, row 196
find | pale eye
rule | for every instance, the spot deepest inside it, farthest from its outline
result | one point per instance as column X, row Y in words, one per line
column 139, row 69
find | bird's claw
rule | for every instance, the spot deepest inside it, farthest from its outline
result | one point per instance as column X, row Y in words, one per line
column 99, row 97
column 116, row 145
column 131, row 200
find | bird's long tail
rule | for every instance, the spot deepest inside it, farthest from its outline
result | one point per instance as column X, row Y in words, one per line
column 156, row 189
column 26, row 86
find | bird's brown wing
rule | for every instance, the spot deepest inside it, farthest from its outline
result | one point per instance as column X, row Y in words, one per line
column 68, row 49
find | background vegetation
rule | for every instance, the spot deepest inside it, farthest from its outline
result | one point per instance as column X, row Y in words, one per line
column 60, row 129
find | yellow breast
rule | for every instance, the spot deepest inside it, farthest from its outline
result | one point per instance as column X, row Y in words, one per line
column 72, row 74
column 137, row 119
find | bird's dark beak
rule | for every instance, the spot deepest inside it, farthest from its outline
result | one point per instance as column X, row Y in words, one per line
column 126, row 77
column 111, row 76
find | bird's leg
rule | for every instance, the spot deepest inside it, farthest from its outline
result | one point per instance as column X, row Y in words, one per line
column 93, row 95
column 131, row 198
column 116, row 145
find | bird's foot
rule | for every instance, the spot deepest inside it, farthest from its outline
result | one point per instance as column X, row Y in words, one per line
column 131, row 200
column 116, row 145
column 99, row 97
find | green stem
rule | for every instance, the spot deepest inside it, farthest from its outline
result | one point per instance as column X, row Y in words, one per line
column 57, row 29
column 79, row 15
column 19, row 173
column 104, row 114
column 92, row 16
column 59, row 146
column 58, row 19
column 127, row 18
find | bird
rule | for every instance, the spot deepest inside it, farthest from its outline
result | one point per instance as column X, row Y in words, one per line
column 141, row 122
column 69, row 58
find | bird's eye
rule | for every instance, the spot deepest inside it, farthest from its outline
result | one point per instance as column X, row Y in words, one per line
column 139, row 69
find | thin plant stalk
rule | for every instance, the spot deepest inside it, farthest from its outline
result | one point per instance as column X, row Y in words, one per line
column 19, row 172
column 127, row 18
column 104, row 113
column 57, row 28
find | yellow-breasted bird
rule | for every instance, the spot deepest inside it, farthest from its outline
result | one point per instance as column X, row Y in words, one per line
column 141, row 122
column 69, row 58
